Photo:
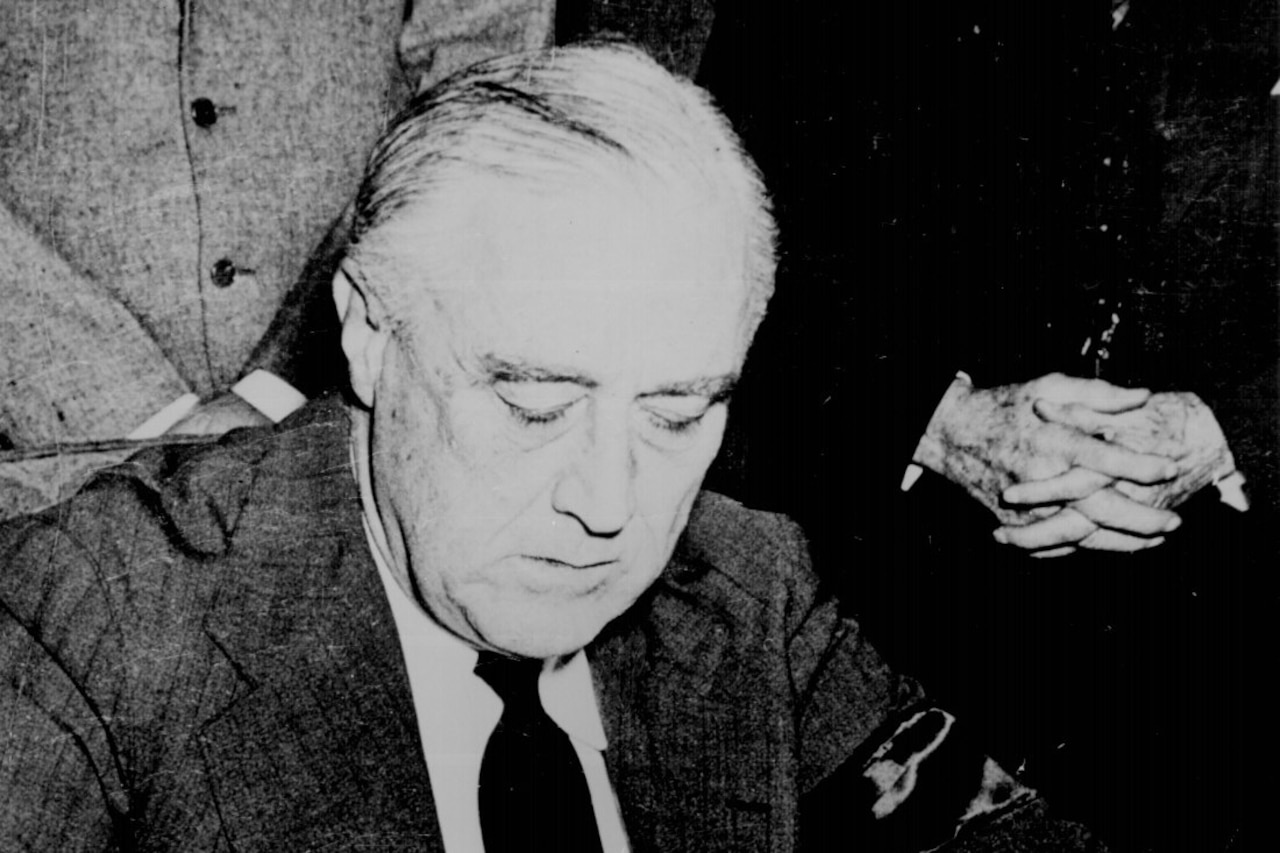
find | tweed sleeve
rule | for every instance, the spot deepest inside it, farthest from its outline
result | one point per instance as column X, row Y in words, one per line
column 75, row 365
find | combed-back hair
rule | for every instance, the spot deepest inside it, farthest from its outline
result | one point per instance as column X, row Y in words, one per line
column 546, row 120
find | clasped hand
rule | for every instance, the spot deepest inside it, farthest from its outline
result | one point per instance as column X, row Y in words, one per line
column 1038, row 455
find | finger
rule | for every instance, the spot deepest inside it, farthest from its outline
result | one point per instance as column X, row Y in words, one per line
column 1076, row 416
column 1113, row 540
column 1072, row 486
column 1117, row 462
column 1112, row 510
column 1064, row 528
column 1096, row 394
column 1054, row 552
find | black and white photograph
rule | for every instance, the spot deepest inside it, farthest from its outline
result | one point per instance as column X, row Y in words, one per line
column 480, row 426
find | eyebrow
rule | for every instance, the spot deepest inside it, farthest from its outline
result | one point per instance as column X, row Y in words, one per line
column 496, row 369
column 504, row 370
column 715, row 388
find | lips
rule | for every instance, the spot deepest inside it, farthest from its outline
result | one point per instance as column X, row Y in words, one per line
column 541, row 575
column 572, row 564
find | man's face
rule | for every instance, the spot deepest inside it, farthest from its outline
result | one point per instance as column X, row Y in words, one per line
column 544, row 424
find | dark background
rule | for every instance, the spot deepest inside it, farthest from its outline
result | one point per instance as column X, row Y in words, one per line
column 983, row 186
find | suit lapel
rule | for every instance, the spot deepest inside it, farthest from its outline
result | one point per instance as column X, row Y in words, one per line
column 321, row 749
column 690, row 772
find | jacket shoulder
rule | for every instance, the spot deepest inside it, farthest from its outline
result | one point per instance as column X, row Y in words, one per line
column 751, row 549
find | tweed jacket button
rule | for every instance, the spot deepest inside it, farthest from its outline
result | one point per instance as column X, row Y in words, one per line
column 203, row 112
column 223, row 273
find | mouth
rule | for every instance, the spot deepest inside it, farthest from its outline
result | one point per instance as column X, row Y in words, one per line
column 566, row 564
column 547, row 575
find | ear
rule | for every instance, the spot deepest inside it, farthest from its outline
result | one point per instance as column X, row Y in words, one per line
column 364, row 340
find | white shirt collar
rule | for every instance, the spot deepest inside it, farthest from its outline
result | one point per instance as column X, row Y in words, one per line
column 565, row 687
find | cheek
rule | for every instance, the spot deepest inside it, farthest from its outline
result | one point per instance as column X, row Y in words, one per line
column 427, row 439
column 412, row 463
column 489, row 470
column 668, row 487
column 472, row 491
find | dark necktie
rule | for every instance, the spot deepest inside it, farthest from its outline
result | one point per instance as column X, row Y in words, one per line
column 533, row 793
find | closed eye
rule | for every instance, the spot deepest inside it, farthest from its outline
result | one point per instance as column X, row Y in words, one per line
column 674, row 423
column 538, row 403
column 677, row 414
column 531, row 417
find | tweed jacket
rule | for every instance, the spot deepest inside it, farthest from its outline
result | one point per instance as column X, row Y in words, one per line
column 199, row 656
column 168, row 166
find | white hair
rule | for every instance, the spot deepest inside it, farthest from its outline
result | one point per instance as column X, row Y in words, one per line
column 547, row 119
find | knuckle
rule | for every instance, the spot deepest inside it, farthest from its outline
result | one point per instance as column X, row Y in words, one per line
column 1109, row 540
column 1066, row 528
column 1112, row 540
column 1101, row 502
column 1040, row 468
column 1075, row 410
column 1096, row 541
column 1083, row 527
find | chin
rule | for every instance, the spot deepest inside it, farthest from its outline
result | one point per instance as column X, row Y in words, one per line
column 541, row 644
column 545, row 635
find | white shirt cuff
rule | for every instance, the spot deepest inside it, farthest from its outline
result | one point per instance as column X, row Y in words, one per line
column 269, row 394
column 159, row 423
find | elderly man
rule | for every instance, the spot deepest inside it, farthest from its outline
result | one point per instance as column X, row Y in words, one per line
column 484, row 604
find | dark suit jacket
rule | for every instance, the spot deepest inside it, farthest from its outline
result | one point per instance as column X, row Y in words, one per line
column 199, row 656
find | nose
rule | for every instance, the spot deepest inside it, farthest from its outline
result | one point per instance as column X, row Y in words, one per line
column 597, row 485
